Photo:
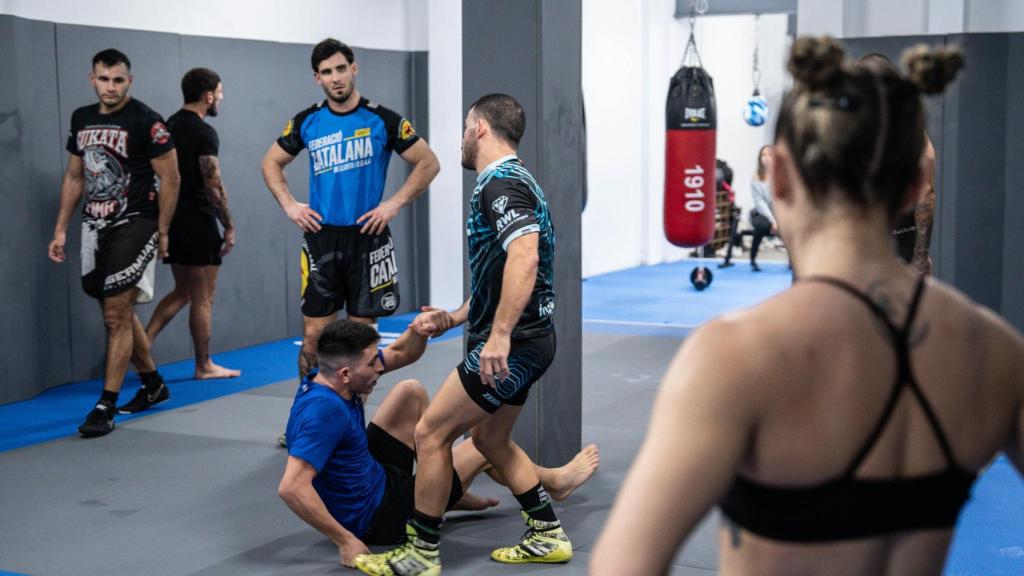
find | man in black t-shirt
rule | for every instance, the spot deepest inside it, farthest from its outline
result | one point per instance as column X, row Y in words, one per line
column 196, row 244
column 122, row 157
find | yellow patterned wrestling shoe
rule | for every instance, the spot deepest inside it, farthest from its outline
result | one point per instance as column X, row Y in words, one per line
column 544, row 542
column 416, row 557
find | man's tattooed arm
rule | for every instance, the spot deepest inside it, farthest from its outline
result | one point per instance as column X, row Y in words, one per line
column 209, row 167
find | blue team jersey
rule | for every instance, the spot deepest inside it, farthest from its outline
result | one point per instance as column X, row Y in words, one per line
column 348, row 155
column 329, row 433
column 507, row 203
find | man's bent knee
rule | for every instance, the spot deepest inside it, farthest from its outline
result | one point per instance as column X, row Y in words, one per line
column 410, row 392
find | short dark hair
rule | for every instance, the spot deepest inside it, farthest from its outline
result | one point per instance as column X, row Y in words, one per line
column 504, row 114
column 197, row 81
column 111, row 57
column 344, row 340
column 329, row 47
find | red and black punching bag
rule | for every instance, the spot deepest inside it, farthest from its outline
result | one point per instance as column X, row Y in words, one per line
column 690, row 158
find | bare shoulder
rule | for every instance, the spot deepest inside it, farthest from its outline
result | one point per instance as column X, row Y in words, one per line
column 1000, row 343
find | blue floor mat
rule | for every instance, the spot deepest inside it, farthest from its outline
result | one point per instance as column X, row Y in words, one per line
column 59, row 411
column 661, row 301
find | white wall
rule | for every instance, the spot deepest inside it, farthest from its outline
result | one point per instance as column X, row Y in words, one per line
column 444, row 33
column 381, row 24
column 630, row 51
column 866, row 18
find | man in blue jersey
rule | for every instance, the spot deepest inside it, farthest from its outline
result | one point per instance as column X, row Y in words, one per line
column 511, row 344
column 348, row 258
column 354, row 482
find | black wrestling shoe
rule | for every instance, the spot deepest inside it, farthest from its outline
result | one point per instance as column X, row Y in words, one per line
column 145, row 398
column 726, row 265
column 755, row 267
column 99, row 422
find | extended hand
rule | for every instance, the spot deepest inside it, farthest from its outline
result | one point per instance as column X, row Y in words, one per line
column 56, row 249
column 304, row 217
column 348, row 551
column 378, row 218
column 229, row 242
column 494, row 360
column 432, row 322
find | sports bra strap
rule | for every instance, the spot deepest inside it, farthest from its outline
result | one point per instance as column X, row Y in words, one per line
column 900, row 339
column 912, row 310
column 853, row 291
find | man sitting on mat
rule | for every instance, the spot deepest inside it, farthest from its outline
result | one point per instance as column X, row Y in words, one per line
column 354, row 482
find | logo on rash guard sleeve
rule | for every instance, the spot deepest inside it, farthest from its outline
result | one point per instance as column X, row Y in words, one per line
column 406, row 131
column 159, row 133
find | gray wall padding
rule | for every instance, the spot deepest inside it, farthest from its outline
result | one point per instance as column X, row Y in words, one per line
column 34, row 315
column 1013, row 224
column 535, row 57
column 54, row 332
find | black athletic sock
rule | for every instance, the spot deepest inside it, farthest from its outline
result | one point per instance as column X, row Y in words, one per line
column 151, row 380
column 428, row 528
column 536, row 504
column 108, row 398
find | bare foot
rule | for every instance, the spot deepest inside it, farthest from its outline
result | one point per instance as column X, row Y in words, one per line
column 571, row 476
column 470, row 501
column 214, row 371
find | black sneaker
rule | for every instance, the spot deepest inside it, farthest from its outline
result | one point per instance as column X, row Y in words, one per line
column 99, row 422
column 755, row 267
column 144, row 398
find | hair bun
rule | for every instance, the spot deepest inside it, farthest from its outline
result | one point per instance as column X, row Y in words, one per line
column 932, row 68
column 816, row 61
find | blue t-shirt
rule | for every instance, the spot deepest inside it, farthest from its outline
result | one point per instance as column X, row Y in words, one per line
column 507, row 203
column 329, row 433
column 348, row 156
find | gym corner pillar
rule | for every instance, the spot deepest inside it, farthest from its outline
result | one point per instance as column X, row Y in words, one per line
column 530, row 49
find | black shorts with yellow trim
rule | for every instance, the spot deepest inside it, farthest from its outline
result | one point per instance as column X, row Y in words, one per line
column 343, row 269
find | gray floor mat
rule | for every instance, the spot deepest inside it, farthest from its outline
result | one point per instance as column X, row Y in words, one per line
column 193, row 491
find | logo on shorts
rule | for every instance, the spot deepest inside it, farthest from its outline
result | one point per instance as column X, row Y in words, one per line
column 389, row 302
column 499, row 204
column 159, row 133
column 383, row 268
column 406, row 131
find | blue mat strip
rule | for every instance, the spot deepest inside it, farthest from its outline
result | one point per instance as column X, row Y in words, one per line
column 59, row 411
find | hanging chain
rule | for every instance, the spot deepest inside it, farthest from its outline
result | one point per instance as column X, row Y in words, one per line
column 691, row 55
column 757, row 45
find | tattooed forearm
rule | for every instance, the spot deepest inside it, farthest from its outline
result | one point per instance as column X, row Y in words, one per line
column 924, row 216
column 209, row 167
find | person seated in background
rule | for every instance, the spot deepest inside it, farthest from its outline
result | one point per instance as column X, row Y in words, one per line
column 762, row 218
column 851, row 445
column 354, row 482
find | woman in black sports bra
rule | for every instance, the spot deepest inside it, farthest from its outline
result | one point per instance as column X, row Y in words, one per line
column 846, row 436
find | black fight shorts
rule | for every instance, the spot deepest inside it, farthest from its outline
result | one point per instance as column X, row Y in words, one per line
column 528, row 359
column 119, row 257
column 343, row 269
column 388, row 526
column 194, row 241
